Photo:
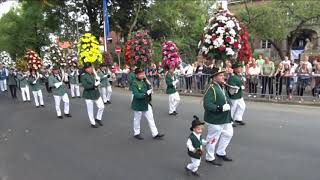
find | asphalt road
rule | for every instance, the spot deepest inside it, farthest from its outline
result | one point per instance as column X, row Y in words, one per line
column 280, row 142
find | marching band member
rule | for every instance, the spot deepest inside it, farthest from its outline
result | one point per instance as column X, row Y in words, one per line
column 140, row 105
column 90, row 82
column 174, row 97
column 217, row 117
column 34, row 82
column 74, row 82
column 55, row 81
column 106, row 89
column 24, row 87
column 235, row 93
column 3, row 78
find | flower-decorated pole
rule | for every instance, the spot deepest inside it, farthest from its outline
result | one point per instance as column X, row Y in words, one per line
column 89, row 51
column 140, row 52
column 170, row 55
column 6, row 60
column 33, row 60
column 221, row 38
column 72, row 59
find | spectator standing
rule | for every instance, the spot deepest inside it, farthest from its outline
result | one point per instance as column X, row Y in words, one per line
column 303, row 79
column 189, row 73
column 253, row 73
column 286, row 61
column 267, row 73
column 316, row 80
column 260, row 62
column 279, row 77
column 12, row 83
column 200, row 74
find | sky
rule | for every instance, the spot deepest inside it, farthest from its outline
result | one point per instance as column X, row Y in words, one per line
column 6, row 6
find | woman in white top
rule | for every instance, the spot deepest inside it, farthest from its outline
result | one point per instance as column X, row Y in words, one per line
column 189, row 74
column 253, row 73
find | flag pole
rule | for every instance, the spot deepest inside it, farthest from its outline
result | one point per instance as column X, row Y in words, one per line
column 105, row 4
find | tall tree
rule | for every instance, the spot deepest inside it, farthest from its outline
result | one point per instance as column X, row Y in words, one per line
column 274, row 20
column 28, row 26
column 180, row 22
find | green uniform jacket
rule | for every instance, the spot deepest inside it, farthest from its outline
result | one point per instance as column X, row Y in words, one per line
column 196, row 143
column 73, row 79
column 104, row 80
column 11, row 81
column 34, row 87
column 169, row 80
column 89, row 90
column 60, row 91
column 140, row 100
column 235, row 80
column 23, row 80
column 212, row 100
column 131, row 78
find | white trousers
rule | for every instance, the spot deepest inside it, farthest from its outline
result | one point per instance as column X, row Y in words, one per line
column 220, row 134
column 25, row 93
column 149, row 116
column 106, row 93
column 75, row 90
column 100, row 106
column 194, row 165
column 238, row 107
column 65, row 99
column 36, row 95
column 3, row 85
column 174, row 100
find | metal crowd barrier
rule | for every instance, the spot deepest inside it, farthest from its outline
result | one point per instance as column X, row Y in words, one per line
column 283, row 88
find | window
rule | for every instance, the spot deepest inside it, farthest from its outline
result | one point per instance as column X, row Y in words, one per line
column 265, row 44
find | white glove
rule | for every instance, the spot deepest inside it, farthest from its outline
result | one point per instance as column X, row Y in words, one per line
column 34, row 82
column 242, row 87
column 149, row 91
column 57, row 85
column 233, row 90
column 40, row 76
column 97, row 83
column 175, row 82
column 226, row 107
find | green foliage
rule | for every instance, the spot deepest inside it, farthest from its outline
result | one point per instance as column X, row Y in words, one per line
column 179, row 22
column 26, row 27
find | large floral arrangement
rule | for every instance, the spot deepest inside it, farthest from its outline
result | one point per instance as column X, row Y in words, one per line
column 221, row 38
column 141, row 49
column 21, row 64
column 128, row 52
column 34, row 61
column 170, row 55
column 72, row 59
column 56, row 56
column 47, row 60
column 244, row 53
column 6, row 60
column 88, row 50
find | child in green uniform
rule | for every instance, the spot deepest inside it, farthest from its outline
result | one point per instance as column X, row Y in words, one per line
column 194, row 145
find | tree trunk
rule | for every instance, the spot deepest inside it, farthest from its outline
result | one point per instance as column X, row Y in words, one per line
column 278, row 49
column 135, row 20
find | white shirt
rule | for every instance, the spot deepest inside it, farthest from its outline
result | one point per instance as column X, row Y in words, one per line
column 189, row 71
column 286, row 62
column 189, row 142
column 254, row 71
